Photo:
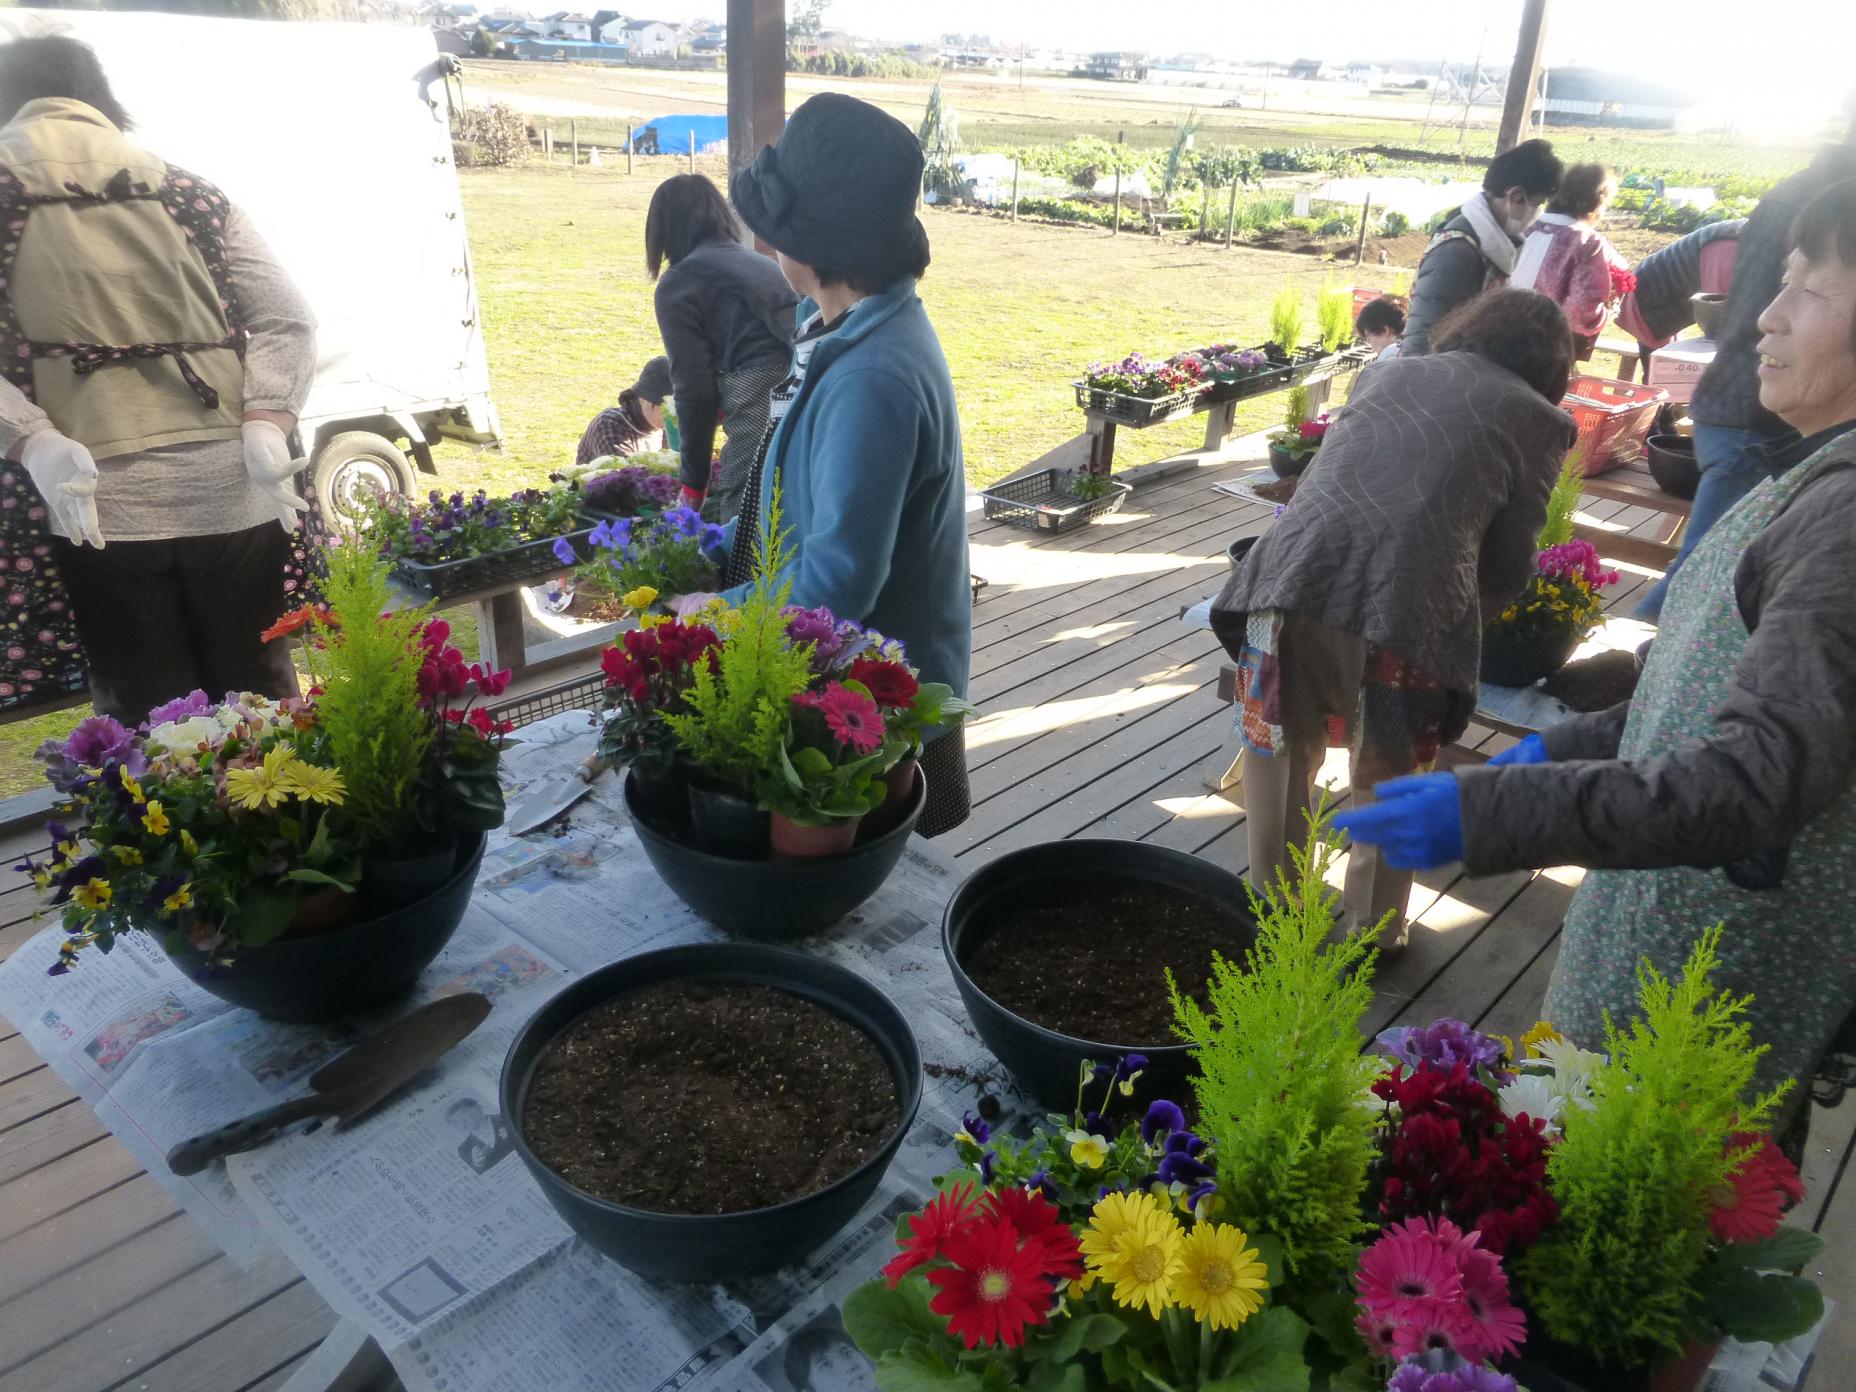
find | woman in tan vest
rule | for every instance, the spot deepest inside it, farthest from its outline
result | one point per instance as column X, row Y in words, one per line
column 153, row 358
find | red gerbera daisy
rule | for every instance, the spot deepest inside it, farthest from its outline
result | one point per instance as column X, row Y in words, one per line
column 1749, row 1207
column 930, row 1229
column 889, row 683
column 993, row 1287
column 1038, row 1222
column 852, row 718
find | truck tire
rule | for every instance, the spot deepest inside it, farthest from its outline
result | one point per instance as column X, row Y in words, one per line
column 354, row 466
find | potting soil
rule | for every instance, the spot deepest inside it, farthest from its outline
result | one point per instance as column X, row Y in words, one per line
column 691, row 1097
column 1596, row 683
column 1091, row 963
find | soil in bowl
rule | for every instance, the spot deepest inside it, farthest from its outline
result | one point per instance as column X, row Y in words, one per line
column 1090, row 963
column 708, row 1098
column 1596, row 683
column 1277, row 490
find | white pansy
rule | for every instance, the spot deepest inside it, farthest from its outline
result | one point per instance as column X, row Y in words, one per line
column 1533, row 1094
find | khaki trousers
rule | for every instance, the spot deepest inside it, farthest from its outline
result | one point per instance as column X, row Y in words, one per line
column 1321, row 672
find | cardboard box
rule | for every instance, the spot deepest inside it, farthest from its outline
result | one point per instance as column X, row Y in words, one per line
column 1678, row 367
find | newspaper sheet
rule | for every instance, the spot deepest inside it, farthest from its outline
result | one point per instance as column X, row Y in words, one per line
column 420, row 1223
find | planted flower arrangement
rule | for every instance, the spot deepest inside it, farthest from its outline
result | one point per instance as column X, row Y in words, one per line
column 629, row 491
column 764, row 731
column 304, row 857
column 448, row 546
column 1297, row 440
column 1539, row 630
column 1447, row 1212
column 639, row 565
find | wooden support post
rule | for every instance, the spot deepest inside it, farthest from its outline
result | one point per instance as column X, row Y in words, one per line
column 1366, row 216
column 1230, row 217
column 692, row 149
column 631, row 137
column 1524, row 75
column 1205, row 212
column 756, row 78
column 547, row 143
column 573, row 135
column 1015, row 163
column 1119, row 138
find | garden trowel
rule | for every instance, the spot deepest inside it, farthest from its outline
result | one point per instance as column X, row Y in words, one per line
column 350, row 1085
column 554, row 797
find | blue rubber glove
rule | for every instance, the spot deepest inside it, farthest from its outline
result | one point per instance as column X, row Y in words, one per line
column 1417, row 823
column 1531, row 750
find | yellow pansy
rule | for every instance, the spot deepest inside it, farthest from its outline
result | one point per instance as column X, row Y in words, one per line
column 126, row 855
column 180, row 899
column 1088, row 1150
column 95, row 894
column 187, row 843
column 129, row 785
column 1541, row 1033
column 155, row 821
column 639, row 599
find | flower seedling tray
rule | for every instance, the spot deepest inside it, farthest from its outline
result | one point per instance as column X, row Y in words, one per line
column 1039, row 503
column 513, row 565
column 1139, row 412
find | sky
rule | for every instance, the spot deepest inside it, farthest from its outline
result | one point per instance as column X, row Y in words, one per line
column 1773, row 52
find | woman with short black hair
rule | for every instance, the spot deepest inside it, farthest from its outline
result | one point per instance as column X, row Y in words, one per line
column 1357, row 619
column 726, row 316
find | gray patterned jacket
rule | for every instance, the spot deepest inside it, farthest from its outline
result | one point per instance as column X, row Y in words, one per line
column 1420, row 511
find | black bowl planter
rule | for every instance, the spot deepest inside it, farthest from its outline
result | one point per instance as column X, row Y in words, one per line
column 1518, row 659
column 1673, row 466
column 1239, row 549
column 700, row 1248
column 1045, row 1062
column 324, row 975
column 770, row 899
column 1286, row 465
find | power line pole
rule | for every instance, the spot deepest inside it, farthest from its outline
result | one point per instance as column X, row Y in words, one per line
column 1524, row 76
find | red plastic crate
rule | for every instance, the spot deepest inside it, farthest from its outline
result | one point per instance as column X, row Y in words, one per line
column 1613, row 417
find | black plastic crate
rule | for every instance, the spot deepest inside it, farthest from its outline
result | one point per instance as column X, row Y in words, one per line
column 582, row 693
column 1138, row 412
column 469, row 574
column 1038, row 502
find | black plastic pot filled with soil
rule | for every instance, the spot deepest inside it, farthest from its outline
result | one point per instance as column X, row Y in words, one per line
column 371, row 958
column 1521, row 659
column 705, row 1112
column 1673, row 466
column 1287, row 464
column 1239, row 549
column 1060, row 952
column 770, row 899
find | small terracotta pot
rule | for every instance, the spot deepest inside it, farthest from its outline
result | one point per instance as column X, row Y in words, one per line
column 791, row 841
column 1684, row 1374
column 898, row 798
column 326, row 909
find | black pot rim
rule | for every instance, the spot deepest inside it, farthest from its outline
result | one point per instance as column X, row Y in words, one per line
column 1111, row 1052
column 793, row 869
column 908, row 1090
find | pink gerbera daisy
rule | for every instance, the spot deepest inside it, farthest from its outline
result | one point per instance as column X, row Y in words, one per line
column 1381, row 1336
column 852, row 718
column 1407, row 1271
column 1499, row 1328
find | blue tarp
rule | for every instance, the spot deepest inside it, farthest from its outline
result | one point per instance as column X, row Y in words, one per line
column 671, row 134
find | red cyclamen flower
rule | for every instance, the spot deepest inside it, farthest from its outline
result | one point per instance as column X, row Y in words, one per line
column 993, row 1287
column 930, row 1228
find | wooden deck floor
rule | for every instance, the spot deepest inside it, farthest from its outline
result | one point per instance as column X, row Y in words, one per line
column 1101, row 717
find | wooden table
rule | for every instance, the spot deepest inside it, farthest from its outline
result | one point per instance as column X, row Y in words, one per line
column 1635, row 486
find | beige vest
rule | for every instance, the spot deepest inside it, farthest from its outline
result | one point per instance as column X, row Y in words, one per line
column 112, row 274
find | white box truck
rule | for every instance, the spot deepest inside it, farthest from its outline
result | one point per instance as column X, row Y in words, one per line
column 335, row 139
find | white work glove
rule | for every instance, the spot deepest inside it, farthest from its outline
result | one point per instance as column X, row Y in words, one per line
column 269, row 465
column 66, row 477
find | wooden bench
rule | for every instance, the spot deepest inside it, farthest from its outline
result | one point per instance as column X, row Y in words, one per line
column 1162, row 222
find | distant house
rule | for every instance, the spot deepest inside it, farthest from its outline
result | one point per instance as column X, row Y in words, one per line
column 1588, row 97
column 564, row 51
column 576, row 27
column 601, row 18
column 1117, row 67
column 453, row 41
column 651, row 38
column 1309, row 70
column 715, row 40
column 1367, row 74
column 613, row 31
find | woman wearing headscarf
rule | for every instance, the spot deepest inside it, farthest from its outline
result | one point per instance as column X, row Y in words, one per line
column 863, row 440
column 153, row 358
column 1724, row 791
column 1357, row 619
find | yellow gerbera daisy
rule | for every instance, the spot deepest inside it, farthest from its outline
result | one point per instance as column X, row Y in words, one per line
column 313, row 783
column 262, row 786
column 94, row 894
column 1135, row 1247
column 155, row 820
column 1219, row 1276
column 640, row 599
column 1541, row 1033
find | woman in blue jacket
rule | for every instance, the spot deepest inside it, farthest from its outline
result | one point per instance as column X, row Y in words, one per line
column 862, row 437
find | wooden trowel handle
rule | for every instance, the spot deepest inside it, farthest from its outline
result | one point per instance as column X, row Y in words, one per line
column 190, row 1157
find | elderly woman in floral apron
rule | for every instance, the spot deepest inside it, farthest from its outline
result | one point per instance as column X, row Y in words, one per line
column 1724, row 791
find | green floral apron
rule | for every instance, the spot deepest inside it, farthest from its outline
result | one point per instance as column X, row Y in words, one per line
column 1794, row 947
